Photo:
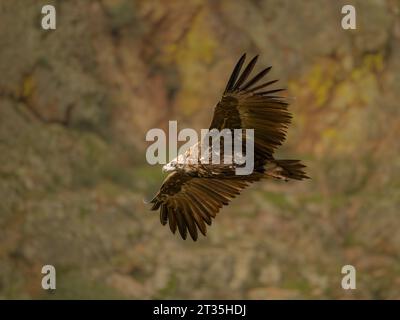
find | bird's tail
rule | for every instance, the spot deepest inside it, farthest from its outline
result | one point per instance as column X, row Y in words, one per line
column 286, row 170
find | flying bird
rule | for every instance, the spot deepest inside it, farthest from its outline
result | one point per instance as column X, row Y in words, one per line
column 194, row 192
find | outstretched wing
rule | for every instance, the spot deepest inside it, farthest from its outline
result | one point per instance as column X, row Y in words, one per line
column 249, row 104
column 189, row 203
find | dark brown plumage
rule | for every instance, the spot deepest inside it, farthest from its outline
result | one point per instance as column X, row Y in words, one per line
column 192, row 195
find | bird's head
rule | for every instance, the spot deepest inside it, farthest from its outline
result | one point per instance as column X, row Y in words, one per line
column 176, row 164
column 171, row 166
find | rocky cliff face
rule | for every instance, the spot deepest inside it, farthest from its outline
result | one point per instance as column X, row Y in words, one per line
column 76, row 103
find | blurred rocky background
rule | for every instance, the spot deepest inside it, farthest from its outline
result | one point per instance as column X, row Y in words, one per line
column 76, row 103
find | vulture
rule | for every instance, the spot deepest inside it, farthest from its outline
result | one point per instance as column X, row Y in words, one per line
column 193, row 193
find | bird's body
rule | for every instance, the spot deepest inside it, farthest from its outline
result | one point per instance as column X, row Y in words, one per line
column 197, row 161
column 197, row 188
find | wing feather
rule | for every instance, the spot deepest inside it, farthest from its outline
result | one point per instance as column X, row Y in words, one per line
column 197, row 216
column 256, row 78
column 188, row 215
column 163, row 214
column 189, row 203
column 201, row 210
column 172, row 220
column 246, row 72
column 235, row 74
column 181, row 223
column 244, row 106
